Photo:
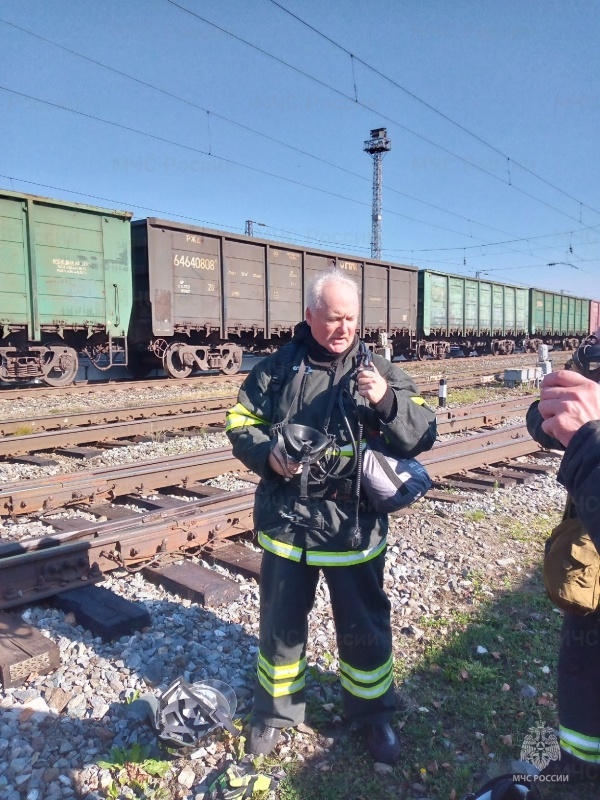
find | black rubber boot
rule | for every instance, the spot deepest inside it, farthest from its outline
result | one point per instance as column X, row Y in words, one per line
column 382, row 743
column 263, row 739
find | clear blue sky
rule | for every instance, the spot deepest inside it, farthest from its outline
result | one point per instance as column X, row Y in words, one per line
column 520, row 75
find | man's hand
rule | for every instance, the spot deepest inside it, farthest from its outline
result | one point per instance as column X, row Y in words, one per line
column 278, row 464
column 371, row 384
column 568, row 401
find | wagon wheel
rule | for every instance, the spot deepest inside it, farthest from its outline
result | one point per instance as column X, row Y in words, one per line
column 421, row 351
column 59, row 365
column 231, row 360
column 173, row 363
column 495, row 347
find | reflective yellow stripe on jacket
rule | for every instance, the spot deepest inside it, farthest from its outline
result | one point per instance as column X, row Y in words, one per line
column 239, row 417
column 421, row 402
column 320, row 558
column 367, row 684
column 279, row 548
column 346, row 449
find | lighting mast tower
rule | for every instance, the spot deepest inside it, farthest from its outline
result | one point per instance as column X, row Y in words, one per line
column 377, row 146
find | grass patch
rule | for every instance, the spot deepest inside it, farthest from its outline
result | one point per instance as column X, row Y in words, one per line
column 472, row 394
column 470, row 680
column 461, row 709
column 535, row 530
column 475, row 516
column 135, row 772
column 483, row 394
column 23, row 430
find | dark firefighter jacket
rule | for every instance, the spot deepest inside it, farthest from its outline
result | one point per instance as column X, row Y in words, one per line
column 322, row 524
column 579, row 470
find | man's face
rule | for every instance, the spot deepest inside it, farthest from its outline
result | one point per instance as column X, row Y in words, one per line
column 333, row 324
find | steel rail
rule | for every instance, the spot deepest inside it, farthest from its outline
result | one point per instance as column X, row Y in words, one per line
column 92, row 387
column 11, row 446
column 441, row 463
column 482, row 418
column 51, row 567
column 92, row 529
column 53, row 492
column 38, row 568
column 109, row 425
column 170, row 409
column 167, row 408
column 491, row 407
column 446, row 368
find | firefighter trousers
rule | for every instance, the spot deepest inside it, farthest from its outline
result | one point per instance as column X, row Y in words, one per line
column 579, row 687
column 361, row 612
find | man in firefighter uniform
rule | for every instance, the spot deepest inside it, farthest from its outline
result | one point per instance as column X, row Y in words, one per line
column 568, row 417
column 308, row 522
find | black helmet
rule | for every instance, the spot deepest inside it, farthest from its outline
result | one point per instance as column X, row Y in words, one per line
column 188, row 712
column 506, row 787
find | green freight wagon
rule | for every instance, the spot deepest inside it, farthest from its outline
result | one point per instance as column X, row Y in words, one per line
column 65, row 287
column 558, row 319
column 475, row 315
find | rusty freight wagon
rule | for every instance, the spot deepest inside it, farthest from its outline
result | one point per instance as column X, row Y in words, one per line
column 475, row 315
column 65, row 287
column 558, row 319
column 202, row 297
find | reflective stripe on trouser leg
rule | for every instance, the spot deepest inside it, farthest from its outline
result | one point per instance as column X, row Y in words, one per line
column 287, row 593
column 361, row 611
column 579, row 687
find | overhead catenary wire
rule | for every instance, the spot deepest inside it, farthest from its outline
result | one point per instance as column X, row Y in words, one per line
column 259, row 170
column 320, row 241
column 294, row 148
column 381, row 114
column 464, row 129
column 119, row 203
column 241, row 125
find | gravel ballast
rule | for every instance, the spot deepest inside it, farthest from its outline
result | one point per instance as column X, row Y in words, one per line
column 55, row 728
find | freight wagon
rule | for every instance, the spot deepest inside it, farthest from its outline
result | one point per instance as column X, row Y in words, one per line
column 65, row 287
column 559, row 319
column 80, row 280
column 475, row 315
column 202, row 297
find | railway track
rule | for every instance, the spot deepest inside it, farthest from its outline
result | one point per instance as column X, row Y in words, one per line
column 92, row 387
column 111, row 434
column 164, row 409
column 176, row 512
column 91, row 486
column 124, row 426
column 425, row 371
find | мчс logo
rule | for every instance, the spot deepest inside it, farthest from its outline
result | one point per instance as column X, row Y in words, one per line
column 540, row 746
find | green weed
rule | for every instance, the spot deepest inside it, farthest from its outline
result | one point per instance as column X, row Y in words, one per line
column 23, row 430
column 475, row 516
column 136, row 771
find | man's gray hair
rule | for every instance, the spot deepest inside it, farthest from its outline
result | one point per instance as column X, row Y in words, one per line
column 314, row 290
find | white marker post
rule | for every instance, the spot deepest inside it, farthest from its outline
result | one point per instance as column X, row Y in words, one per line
column 442, row 393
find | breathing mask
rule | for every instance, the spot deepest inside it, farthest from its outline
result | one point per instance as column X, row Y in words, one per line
column 586, row 359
